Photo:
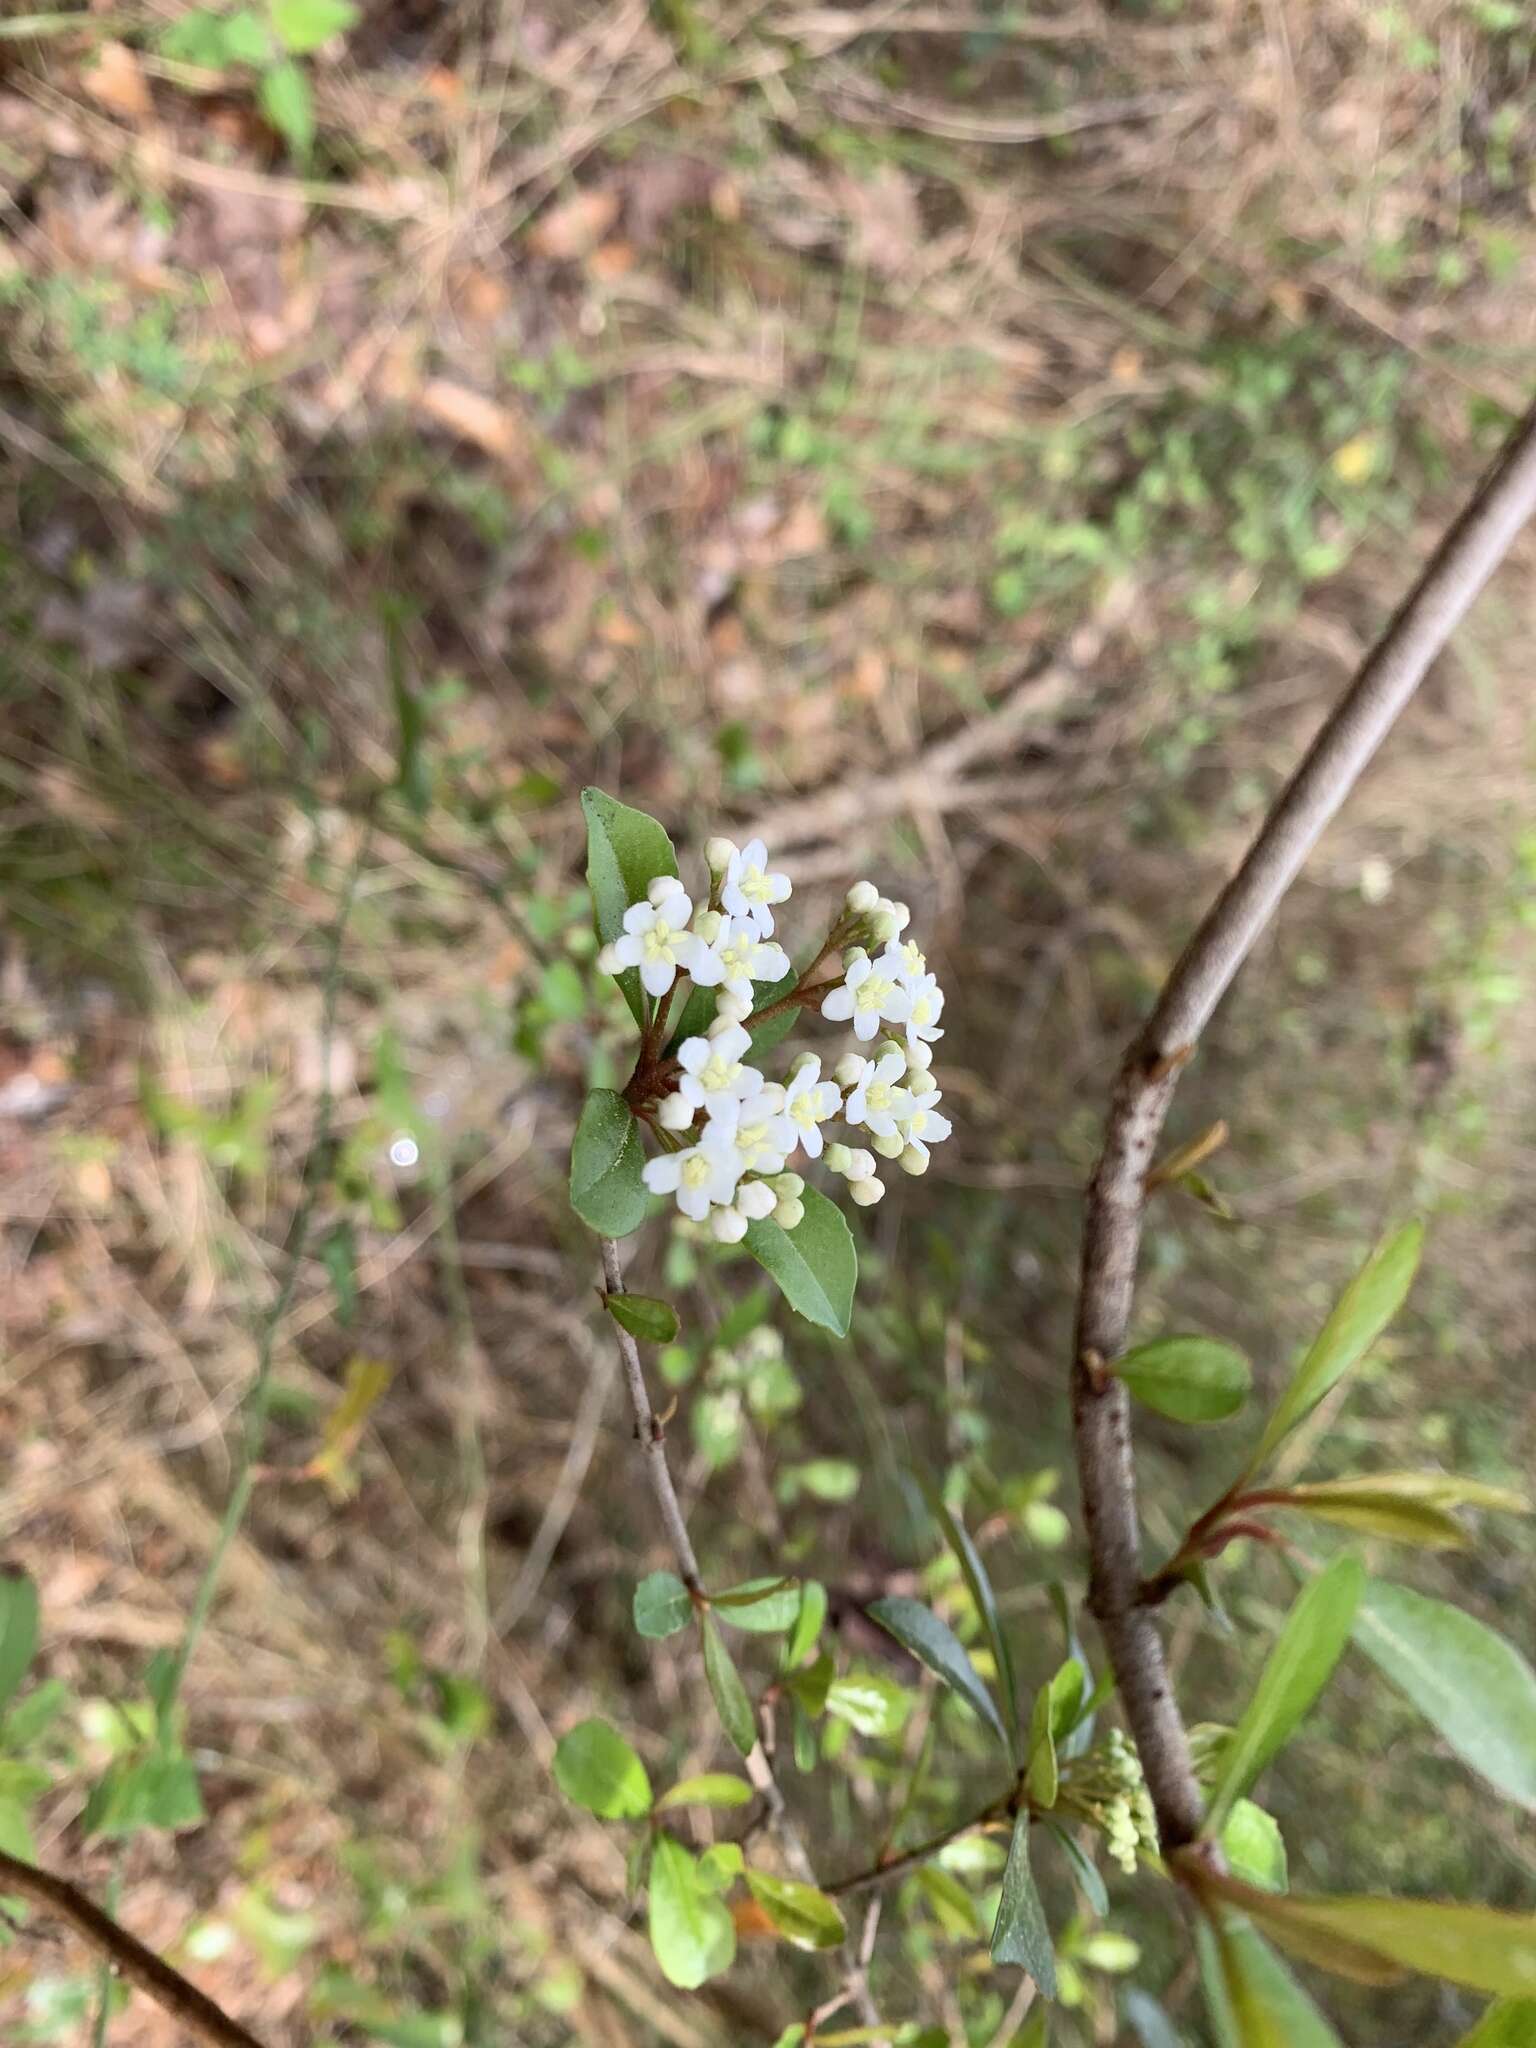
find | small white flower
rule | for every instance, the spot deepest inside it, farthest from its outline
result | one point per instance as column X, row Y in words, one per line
column 713, row 1075
column 925, row 1005
column 676, row 1113
column 755, row 1199
column 923, row 1126
column 749, row 890
column 875, row 1100
column 765, row 1136
column 745, row 956
column 702, row 1177
column 906, row 953
column 728, row 1226
column 809, row 1101
column 866, row 1192
column 867, row 993
column 656, row 939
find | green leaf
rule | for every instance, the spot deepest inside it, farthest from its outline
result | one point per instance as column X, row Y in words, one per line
column 30, row 1718
column 303, row 25
column 691, row 1930
column 979, row 1586
column 200, row 38
column 934, row 1643
column 413, row 774
column 809, row 1617
column 626, row 851
column 762, row 1606
column 799, row 1912
column 714, row 1788
column 815, row 1264
column 156, row 1791
column 18, row 1631
column 766, row 1036
column 1466, row 1681
column 16, row 1831
column 730, row 1695
column 1254, row 1847
column 1364, row 1310
column 1478, row 1946
column 720, row 1865
column 1020, row 1934
column 1084, row 1869
column 1042, row 1778
column 247, row 39
column 650, row 1320
column 596, row 1768
column 830, row 1479
column 1150, row 2024
column 662, row 1605
column 869, row 1702
column 1509, row 2024
column 954, row 1908
column 1191, row 1379
column 607, row 1192
column 1407, row 1507
column 1298, row 1667
column 1267, row 2007
column 287, row 103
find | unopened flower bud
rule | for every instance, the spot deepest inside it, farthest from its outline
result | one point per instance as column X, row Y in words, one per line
column 804, row 1059
column 789, row 1212
column 853, row 954
column 790, row 1185
column 730, row 1010
column 839, row 1158
column 889, row 1144
column 848, row 1070
column 719, row 854
column 755, row 1199
column 609, row 962
column 919, row 1056
column 661, row 887
column 861, row 1165
column 866, row 1192
column 727, row 1226
column 676, row 1113
column 862, row 898
column 707, row 924
column 914, row 1160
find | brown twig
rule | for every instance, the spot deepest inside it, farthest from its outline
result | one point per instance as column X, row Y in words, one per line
column 142, row 1968
column 1116, row 1201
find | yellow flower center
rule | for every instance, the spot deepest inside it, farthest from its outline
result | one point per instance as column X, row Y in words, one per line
column 917, row 1123
column 718, row 1072
column 803, row 1110
column 922, row 1011
column 754, row 885
column 912, row 957
column 873, row 991
column 878, row 1095
column 658, row 941
column 695, row 1172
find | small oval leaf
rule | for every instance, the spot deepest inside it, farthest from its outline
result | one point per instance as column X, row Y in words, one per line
column 596, row 1768
column 816, row 1264
column 691, row 1930
column 1019, row 1934
column 662, row 1605
column 761, row 1606
column 799, row 1912
column 727, row 1690
column 809, row 1617
column 934, row 1643
column 18, row 1630
column 646, row 1318
column 607, row 1192
column 1190, row 1379
column 713, row 1788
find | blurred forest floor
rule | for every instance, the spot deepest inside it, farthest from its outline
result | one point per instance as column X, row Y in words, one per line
column 972, row 445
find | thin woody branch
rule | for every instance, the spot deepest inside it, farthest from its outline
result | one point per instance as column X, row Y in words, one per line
column 653, row 1449
column 138, row 1965
column 1117, row 1193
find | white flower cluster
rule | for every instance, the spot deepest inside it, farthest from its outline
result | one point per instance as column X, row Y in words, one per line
column 731, row 1132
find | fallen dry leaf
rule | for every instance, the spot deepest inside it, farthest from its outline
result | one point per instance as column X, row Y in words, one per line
column 574, row 228
column 473, row 417
column 115, row 82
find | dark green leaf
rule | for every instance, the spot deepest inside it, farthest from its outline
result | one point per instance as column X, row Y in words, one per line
column 18, row 1631
column 607, row 1192
column 286, row 101
column 714, row 1788
column 1020, row 1934
column 762, row 1606
column 1190, row 1379
column 1084, row 1869
column 766, row 1036
column 730, row 1695
column 1466, row 1681
column 662, row 1605
column 1364, row 1310
column 799, row 1912
column 155, row 1791
column 595, row 1767
column 934, row 1643
column 815, row 1264
column 303, row 25
column 1297, row 1669
column 31, row 1717
column 338, row 1255
column 809, row 1616
column 691, row 1930
column 1254, row 1847
column 979, row 1586
column 626, row 851
column 650, row 1320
